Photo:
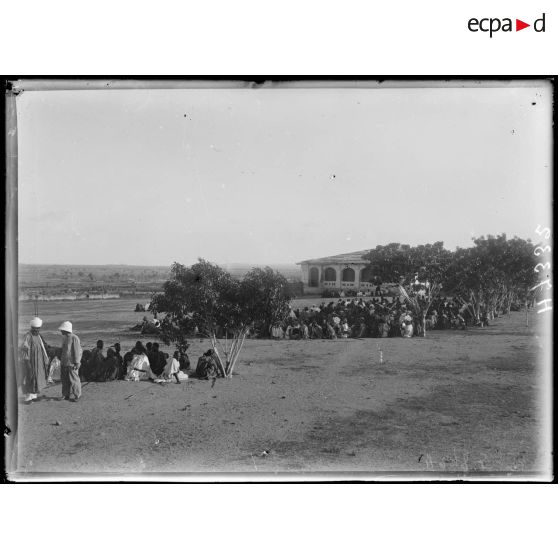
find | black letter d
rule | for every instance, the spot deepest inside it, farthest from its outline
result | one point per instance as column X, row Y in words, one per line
column 541, row 30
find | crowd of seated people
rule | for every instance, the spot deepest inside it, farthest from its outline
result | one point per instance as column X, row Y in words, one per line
column 140, row 363
column 377, row 317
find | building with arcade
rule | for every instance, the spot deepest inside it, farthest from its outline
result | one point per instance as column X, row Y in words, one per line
column 340, row 272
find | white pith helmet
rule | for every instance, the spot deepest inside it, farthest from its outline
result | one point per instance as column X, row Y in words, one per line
column 66, row 326
column 36, row 322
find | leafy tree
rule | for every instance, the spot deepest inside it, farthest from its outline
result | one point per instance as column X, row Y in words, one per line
column 519, row 266
column 398, row 263
column 493, row 274
column 389, row 263
column 207, row 299
column 418, row 270
column 269, row 295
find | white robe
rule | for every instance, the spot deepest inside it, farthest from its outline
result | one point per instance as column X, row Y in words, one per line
column 277, row 332
column 54, row 370
column 172, row 367
column 139, row 369
column 407, row 330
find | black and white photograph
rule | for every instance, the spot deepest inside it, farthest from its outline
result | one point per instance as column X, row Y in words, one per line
column 279, row 279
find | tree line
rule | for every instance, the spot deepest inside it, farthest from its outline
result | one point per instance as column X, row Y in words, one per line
column 491, row 276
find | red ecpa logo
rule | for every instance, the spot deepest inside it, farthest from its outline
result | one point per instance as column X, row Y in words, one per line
column 493, row 25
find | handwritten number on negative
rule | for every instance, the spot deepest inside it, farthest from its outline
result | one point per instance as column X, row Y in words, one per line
column 545, row 231
column 543, row 266
column 540, row 249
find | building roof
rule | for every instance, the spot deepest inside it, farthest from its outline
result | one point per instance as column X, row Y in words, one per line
column 349, row 258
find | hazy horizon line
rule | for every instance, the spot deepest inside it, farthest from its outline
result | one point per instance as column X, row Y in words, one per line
column 155, row 265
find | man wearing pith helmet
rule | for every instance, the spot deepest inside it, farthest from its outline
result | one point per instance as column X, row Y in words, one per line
column 35, row 361
column 70, row 362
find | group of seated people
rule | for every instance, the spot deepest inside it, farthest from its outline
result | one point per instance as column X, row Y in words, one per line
column 142, row 362
column 377, row 317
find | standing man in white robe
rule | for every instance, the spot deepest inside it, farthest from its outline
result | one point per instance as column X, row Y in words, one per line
column 35, row 361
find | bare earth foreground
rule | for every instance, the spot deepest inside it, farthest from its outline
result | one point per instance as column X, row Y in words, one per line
column 463, row 402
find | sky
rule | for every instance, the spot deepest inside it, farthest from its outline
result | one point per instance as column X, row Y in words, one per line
column 263, row 176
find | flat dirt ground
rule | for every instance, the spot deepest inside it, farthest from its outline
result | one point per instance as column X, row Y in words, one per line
column 462, row 402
